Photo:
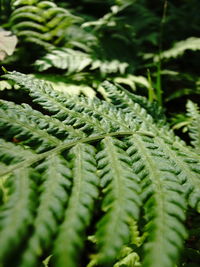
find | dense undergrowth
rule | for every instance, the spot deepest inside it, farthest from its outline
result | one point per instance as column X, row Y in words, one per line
column 91, row 171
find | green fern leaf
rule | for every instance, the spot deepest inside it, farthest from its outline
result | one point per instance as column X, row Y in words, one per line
column 164, row 202
column 12, row 154
column 121, row 198
column 77, row 61
column 44, row 95
column 64, row 58
column 191, row 43
column 138, row 115
column 194, row 126
column 188, row 166
column 139, row 162
column 121, row 98
column 16, row 215
column 51, row 125
column 56, row 181
column 81, row 203
column 17, row 125
column 41, row 22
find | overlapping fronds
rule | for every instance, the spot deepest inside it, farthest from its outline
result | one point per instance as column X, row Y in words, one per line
column 129, row 103
column 172, row 146
column 76, row 169
column 41, row 22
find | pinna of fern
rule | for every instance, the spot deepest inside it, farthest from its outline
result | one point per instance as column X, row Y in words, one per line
column 76, row 61
column 91, row 167
column 41, row 22
column 194, row 114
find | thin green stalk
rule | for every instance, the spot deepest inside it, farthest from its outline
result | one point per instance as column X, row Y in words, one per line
column 151, row 94
column 159, row 90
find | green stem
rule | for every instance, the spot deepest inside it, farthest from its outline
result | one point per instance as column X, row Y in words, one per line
column 159, row 90
column 151, row 94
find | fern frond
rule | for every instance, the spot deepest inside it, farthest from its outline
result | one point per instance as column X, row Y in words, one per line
column 81, row 203
column 194, row 126
column 28, row 11
column 104, row 112
column 138, row 162
column 54, row 102
column 76, row 61
column 132, row 81
column 113, row 66
column 51, row 125
column 105, row 117
column 191, row 43
column 125, row 100
column 138, row 107
column 136, row 115
column 54, row 193
column 17, row 125
column 16, row 215
column 34, row 39
column 187, row 164
column 41, row 20
column 74, row 89
column 12, row 154
column 164, row 202
column 64, row 58
column 121, row 199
